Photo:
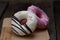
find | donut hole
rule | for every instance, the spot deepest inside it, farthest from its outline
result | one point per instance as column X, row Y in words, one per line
column 38, row 14
column 23, row 21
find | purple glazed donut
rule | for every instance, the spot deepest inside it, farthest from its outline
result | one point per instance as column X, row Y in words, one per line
column 42, row 17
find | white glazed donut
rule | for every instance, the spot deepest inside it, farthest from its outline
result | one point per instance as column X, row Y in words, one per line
column 30, row 25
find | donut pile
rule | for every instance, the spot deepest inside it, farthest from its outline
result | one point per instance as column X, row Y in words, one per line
column 35, row 17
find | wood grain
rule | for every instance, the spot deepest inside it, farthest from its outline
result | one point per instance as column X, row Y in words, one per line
column 7, row 34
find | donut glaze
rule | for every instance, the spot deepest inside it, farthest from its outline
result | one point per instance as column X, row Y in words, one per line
column 42, row 17
column 27, row 28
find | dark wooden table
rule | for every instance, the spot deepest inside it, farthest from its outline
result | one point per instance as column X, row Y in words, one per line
column 3, row 7
column 57, row 18
column 46, row 6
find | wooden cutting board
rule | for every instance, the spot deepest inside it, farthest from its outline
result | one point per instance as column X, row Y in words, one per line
column 7, row 34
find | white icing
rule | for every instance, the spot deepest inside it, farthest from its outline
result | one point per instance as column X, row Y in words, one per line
column 31, row 21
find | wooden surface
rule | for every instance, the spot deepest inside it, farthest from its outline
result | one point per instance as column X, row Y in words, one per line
column 7, row 34
column 57, row 17
column 3, row 7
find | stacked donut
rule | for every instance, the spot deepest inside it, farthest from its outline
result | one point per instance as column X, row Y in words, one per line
column 35, row 17
column 41, row 16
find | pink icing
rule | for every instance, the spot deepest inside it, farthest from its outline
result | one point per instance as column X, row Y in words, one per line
column 43, row 19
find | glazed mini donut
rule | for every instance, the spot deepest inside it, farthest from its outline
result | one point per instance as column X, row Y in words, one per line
column 27, row 28
column 41, row 15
